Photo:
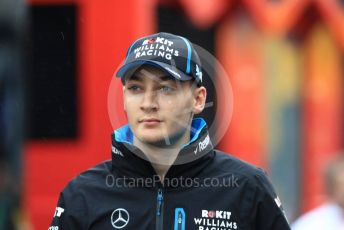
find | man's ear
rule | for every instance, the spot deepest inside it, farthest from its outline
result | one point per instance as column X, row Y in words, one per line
column 199, row 98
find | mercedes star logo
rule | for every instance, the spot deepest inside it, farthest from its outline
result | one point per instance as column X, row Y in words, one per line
column 119, row 218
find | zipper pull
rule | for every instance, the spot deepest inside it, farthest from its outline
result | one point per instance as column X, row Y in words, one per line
column 179, row 219
column 160, row 199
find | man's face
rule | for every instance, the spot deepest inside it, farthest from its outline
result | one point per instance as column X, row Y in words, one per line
column 159, row 108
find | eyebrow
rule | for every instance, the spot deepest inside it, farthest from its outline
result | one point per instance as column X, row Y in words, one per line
column 167, row 78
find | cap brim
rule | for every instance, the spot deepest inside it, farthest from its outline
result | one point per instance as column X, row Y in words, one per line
column 174, row 72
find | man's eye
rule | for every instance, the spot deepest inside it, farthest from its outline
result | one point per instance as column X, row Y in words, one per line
column 134, row 88
column 166, row 89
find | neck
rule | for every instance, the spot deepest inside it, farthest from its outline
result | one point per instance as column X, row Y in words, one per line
column 162, row 157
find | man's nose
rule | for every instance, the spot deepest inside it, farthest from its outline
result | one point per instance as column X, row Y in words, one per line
column 149, row 101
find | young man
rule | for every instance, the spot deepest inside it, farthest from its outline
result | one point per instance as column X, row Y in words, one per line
column 164, row 172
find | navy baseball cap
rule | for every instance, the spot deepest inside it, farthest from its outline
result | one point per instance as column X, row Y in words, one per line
column 173, row 54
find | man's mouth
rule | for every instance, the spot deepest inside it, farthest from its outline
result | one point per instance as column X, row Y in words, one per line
column 150, row 121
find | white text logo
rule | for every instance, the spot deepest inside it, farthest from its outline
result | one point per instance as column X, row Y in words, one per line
column 216, row 214
column 58, row 212
column 160, row 40
column 116, row 151
column 202, row 144
column 199, row 73
column 216, row 219
column 159, row 47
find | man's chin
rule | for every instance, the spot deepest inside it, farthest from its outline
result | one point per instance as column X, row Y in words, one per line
column 156, row 141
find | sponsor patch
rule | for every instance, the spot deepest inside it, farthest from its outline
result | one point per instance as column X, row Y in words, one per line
column 215, row 219
column 116, row 151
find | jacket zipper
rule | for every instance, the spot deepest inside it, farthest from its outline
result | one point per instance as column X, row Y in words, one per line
column 160, row 210
column 179, row 221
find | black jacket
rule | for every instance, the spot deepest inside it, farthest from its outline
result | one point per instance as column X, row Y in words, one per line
column 205, row 189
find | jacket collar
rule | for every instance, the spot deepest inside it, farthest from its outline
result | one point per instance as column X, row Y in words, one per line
column 130, row 161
